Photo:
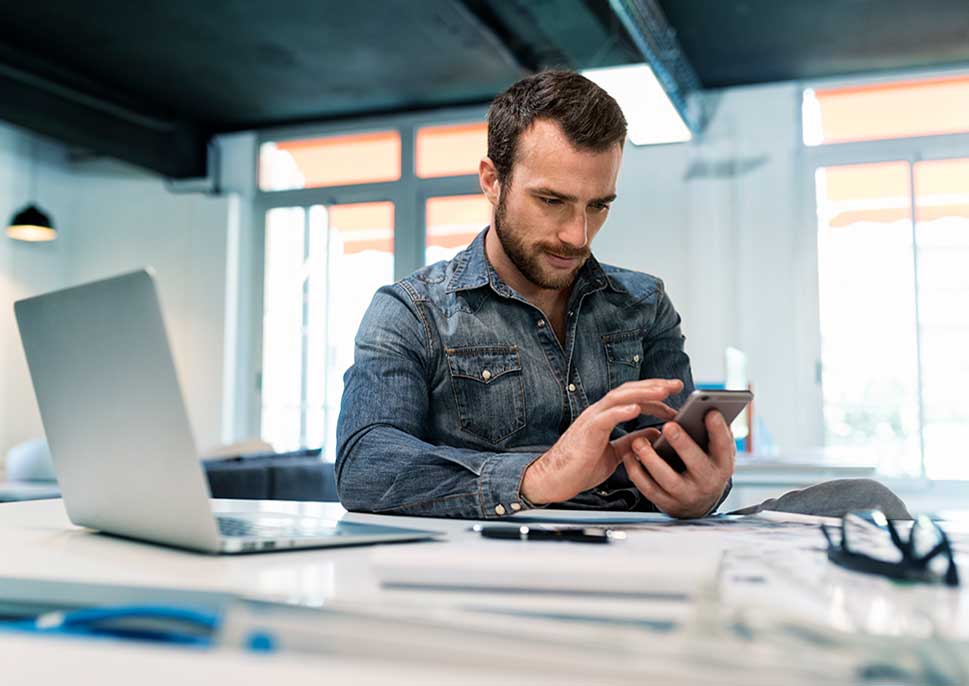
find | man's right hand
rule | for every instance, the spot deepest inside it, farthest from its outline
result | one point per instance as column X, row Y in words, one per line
column 584, row 456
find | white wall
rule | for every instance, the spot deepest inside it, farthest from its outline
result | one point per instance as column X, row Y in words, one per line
column 124, row 220
column 112, row 218
column 721, row 220
column 25, row 269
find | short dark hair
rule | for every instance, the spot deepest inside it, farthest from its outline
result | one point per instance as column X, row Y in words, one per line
column 589, row 117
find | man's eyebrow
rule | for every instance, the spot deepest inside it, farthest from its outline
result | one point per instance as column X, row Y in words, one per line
column 553, row 194
column 569, row 198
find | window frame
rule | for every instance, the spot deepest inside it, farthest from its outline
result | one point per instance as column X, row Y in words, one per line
column 409, row 195
column 812, row 157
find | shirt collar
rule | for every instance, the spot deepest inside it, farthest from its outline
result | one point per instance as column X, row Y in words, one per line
column 474, row 271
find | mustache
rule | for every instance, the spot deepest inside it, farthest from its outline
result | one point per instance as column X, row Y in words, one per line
column 566, row 250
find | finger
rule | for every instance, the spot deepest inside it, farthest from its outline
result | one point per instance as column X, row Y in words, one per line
column 658, row 409
column 647, row 485
column 698, row 463
column 650, row 400
column 649, row 389
column 623, row 444
column 669, row 385
column 723, row 448
column 672, row 482
column 607, row 420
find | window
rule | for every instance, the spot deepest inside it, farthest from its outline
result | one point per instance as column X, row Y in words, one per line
column 942, row 244
column 311, row 254
column 892, row 245
column 894, row 324
column 451, row 150
column 333, row 161
column 452, row 223
column 867, row 308
column 344, row 215
column 892, row 110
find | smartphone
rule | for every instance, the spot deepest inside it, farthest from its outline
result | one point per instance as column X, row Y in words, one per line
column 691, row 417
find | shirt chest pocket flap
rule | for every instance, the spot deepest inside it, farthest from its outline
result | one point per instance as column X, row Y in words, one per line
column 488, row 390
column 624, row 357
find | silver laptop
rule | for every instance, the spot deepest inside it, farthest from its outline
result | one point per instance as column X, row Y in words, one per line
column 119, row 434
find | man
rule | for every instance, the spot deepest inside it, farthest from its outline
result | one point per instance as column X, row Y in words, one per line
column 523, row 372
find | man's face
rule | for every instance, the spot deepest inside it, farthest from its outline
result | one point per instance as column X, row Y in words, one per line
column 554, row 204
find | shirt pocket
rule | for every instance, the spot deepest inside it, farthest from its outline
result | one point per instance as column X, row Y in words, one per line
column 624, row 356
column 488, row 390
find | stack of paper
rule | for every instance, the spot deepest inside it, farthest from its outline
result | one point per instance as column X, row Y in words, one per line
column 679, row 566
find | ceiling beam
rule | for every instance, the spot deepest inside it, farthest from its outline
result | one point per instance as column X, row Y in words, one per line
column 80, row 114
column 656, row 40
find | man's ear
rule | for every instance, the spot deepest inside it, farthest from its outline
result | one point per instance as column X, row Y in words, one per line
column 488, row 178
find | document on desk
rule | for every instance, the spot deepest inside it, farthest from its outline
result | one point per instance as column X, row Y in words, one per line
column 587, row 517
column 646, row 566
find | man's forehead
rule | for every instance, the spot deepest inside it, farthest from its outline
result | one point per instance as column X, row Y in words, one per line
column 545, row 157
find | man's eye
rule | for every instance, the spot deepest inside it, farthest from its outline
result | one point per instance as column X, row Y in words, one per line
column 600, row 206
column 552, row 202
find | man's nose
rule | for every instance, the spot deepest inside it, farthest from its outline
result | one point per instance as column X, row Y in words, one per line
column 576, row 232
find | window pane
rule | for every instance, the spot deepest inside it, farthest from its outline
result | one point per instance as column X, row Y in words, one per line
column 333, row 161
column 889, row 110
column 315, row 296
column 451, row 150
column 867, row 309
column 942, row 234
column 452, row 223
column 282, row 371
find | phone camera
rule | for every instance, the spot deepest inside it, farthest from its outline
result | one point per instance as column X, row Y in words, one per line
column 704, row 397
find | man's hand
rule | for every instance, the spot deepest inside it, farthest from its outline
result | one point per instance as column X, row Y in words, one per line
column 694, row 492
column 584, row 457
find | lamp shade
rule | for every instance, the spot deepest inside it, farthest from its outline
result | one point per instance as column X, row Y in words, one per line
column 32, row 224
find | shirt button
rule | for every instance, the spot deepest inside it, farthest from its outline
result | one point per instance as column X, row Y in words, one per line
column 635, row 358
column 499, row 510
column 541, row 323
column 486, row 375
column 571, row 388
column 516, row 506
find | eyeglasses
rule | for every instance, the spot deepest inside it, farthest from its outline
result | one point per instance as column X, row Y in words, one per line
column 873, row 544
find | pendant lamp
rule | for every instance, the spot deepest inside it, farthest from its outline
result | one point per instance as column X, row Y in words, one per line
column 31, row 223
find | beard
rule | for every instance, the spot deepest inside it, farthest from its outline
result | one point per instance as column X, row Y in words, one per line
column 530, row 259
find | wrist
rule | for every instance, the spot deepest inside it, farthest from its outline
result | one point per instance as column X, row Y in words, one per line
column 533, row 483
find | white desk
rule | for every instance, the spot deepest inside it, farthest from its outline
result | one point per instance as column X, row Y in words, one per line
column 39, row 542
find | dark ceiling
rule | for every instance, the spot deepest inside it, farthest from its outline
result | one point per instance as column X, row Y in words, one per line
column 151, row 81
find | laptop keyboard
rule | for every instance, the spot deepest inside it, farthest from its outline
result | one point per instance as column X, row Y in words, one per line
column 230, row 526
column 275, row 527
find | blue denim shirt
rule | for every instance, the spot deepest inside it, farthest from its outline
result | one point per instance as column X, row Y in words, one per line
column 459, row 383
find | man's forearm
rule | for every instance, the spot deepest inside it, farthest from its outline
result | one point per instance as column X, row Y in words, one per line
column 386, row 470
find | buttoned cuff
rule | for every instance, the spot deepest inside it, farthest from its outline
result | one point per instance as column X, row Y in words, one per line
column 500, row 484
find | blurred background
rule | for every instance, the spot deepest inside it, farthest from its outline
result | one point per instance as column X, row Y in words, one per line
column 797, row 173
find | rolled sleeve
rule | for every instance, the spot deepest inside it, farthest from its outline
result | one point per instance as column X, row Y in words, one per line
column 500, row 483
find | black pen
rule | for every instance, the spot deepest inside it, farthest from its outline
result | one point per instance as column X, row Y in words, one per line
column 525, row 533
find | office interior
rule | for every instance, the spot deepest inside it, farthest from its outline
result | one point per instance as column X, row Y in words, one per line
column 802, row 189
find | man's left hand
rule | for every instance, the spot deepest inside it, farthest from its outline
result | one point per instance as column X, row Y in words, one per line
column 694, row 492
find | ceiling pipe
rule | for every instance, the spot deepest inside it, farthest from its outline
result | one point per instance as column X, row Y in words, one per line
column 652, row 34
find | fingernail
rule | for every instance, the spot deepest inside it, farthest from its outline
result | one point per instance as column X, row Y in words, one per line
column 673, row 431
column 639, row 444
